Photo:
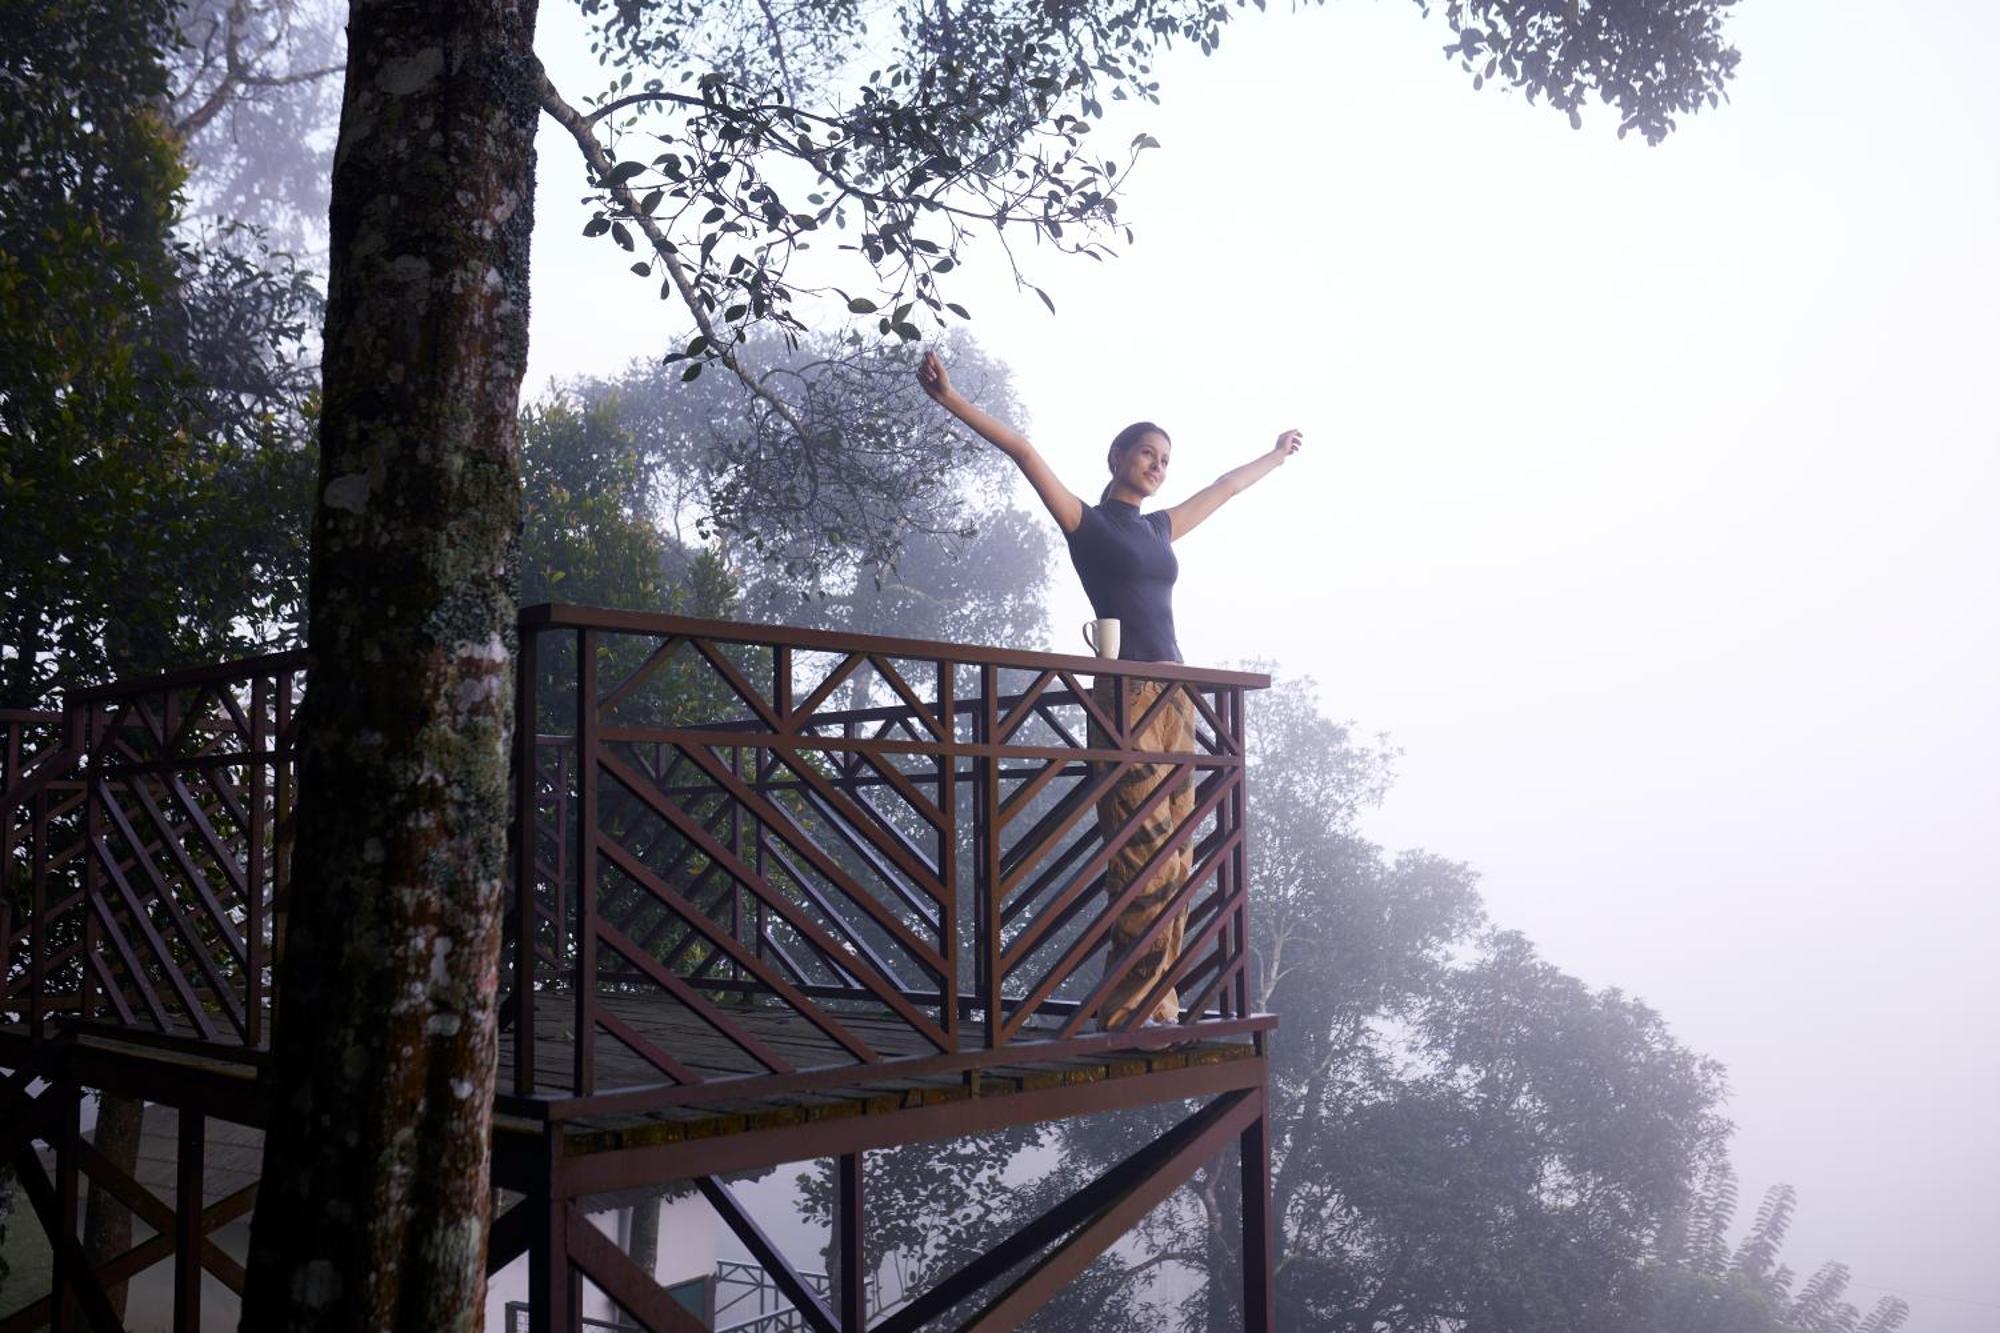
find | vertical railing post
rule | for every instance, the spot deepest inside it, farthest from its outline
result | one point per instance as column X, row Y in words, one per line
column 585, row 1071
column 68, row 1258
column 852, row 1266
column 527, row 796
column 284, row 776
column 1239, row 860
column 10, row 774
column 258, row 863
column 987, row 917
column 187, row 1219
column 947, row 858
column 38, row 916
column 93, row 873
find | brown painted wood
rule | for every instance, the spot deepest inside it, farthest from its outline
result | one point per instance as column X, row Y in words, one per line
column 1219, row 1123
column 635, row 1290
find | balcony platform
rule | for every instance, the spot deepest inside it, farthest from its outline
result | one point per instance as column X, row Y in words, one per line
column 777, row 895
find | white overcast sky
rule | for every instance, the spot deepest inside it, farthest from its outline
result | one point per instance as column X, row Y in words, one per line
column 1647, row 505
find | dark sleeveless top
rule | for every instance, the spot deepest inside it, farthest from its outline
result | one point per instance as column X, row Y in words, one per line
column 1127, row 564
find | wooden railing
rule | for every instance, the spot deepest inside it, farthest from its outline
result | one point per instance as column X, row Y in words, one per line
column 893, row 842
column 150, row 848
column 810, row 849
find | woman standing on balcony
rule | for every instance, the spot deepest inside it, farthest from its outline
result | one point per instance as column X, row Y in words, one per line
column 1126, row 561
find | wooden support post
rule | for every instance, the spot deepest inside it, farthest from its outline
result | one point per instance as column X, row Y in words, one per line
column 552, row 1289
column 258, row 857
column 1259, row 1294
column 991, row 976
column 71, row 1269
column 851, row 1247
column 527, row 795
column 947, row 857
column 188, row 1171
column 584, row 1073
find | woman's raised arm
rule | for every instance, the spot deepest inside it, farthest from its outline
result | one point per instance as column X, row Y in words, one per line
column 1189, row 513
column 1062, row 503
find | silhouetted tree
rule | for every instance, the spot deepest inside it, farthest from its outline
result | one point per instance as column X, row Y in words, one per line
column 1696, row 1284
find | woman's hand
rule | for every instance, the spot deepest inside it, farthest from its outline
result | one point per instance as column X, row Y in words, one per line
column 930, row 374
column 1288, row 444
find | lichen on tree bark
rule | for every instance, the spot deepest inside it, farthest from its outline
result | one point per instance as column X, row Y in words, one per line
column 373, row 1208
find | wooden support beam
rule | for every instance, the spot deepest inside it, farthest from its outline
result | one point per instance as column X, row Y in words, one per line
column 510, row 1236
column 1032, row 1290
column 1259, row 1293
column 1058, row 1222
column 601, row 1172
column 810, row 1307
column 635, row 1290
column 188, row 1154
column 851, row 1243
column 76, row 1287
column 551, row 1283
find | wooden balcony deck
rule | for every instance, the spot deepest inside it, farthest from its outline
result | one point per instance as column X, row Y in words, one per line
column 777, row 894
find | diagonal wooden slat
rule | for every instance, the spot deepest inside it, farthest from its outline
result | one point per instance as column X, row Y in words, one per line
column 802, row 715
column 101, row 907
column 1076, row 951
column 640, row 1045
column 721, row 939
column 163, row 894
column 1113, row 842
column 170, row 841
column 1088, row 700
column 155, row 1212
column 225, row 856
column 1209, row 1131
column 1192, row 947
column 923, row 901
column 812, row 1310
column 632, row 1288
column 724, row 1026
column 1022, row 708
column 735, row 679
column 640, row 675
column 775, row 819
column 909, row 696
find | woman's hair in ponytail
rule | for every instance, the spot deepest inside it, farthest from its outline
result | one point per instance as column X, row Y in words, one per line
column 1124, row 440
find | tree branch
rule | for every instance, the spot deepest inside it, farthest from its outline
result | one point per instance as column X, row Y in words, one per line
column 600, row 162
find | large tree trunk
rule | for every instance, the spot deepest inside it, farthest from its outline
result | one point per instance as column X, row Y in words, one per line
column 374, row 1204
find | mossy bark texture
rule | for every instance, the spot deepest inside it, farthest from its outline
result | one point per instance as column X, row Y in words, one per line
column 375, row 1197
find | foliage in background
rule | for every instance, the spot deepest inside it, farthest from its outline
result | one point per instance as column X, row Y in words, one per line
column 899, row 133
column 253, row 96
column 154, row 385
column 1696, row 1284
column 1465, row 1137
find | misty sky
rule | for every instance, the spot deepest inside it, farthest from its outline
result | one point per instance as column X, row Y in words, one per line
column 1646, row 505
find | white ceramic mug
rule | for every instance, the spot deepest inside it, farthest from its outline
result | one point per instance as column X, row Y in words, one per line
column 1102, row 636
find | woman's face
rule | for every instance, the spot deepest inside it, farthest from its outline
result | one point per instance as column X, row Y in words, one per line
column 1143, row 467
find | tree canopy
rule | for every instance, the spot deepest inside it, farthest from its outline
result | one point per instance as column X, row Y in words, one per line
column 154, row 381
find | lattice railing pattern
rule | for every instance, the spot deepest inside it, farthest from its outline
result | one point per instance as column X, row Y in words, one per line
column 41, row 846
column 895, row 845
column 166, row 886
column 740, row 850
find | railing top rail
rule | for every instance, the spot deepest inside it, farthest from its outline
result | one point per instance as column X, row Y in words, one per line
column 558, row 615
column 290, row 660
column 29, row 715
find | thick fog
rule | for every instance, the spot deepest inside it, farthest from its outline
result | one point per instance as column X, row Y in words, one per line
column 1647, row 505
